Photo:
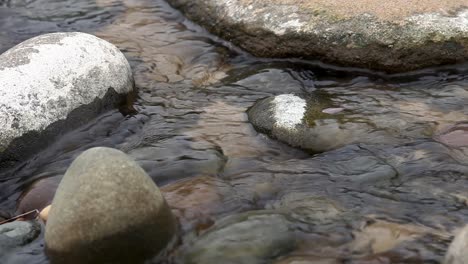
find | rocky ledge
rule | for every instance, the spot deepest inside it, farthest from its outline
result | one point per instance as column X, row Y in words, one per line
column 391, row 36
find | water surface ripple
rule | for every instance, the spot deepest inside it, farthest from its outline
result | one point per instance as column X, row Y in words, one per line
column 397, row 201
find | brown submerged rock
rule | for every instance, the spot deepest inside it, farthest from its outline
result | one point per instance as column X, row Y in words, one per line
column 196, row 201
column 38, row 196
column 393, row 36
column 107, row 210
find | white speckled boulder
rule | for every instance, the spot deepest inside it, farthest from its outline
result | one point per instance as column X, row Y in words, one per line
column 107, row 210
column 55, row 82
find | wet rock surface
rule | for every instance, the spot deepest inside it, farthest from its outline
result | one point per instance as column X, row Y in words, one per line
column 106, row 209
column 389, row 36
column 56, row 82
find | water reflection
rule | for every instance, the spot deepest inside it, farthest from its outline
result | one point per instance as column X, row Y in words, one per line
column 192, row 136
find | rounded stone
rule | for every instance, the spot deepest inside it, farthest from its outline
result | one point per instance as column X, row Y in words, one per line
column 107, row 210
column 54, row 82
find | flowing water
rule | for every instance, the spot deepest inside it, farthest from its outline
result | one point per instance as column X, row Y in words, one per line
column 395, row 201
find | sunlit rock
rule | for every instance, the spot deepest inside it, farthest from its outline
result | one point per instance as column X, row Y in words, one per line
column 54, row 82
column 44, row 214
column 457, row 252
column 107, row 210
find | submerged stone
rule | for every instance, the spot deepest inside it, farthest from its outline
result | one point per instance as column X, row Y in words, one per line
column 107, row 210
column 55, row 82
column 38, row 196
column 392, row 36
column 249, row 238
column 303, row 123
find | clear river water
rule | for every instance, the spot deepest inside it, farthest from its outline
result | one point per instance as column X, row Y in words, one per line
column 237, row 192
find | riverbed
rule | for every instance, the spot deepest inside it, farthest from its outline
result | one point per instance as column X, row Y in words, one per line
column 395, row 201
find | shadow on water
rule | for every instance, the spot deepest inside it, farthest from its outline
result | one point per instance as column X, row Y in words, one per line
column 396, row 201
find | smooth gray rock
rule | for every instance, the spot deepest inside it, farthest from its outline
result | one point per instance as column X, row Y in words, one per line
column 416, row 38
column 16, row 234
column 107, row 210
column 54, row 82
column 457, row 252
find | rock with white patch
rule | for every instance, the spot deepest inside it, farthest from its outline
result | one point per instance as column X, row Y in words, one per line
column 55, row 82
column 107, row 210
column 309, row 125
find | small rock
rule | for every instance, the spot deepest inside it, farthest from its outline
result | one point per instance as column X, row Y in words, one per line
column 44, row 214
column 107, row 210
column 18, row 233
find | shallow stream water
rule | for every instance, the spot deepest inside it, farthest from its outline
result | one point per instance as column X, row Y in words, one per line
column 397, row 200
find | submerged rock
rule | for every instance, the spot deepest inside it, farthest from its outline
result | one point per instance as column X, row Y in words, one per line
column 55, row 82
column 253, row 237
column 107, row 210
column 197, row 201
column 304, row 124
column 16, row 234
column 393, row 36
column 38, row 196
